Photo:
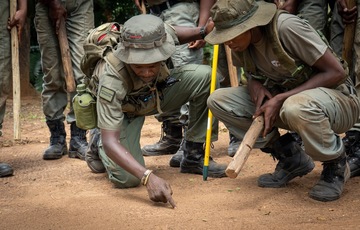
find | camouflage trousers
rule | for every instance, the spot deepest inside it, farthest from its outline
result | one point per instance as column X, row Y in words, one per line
column 5, row 58
column 317, row 115
column 80, row 19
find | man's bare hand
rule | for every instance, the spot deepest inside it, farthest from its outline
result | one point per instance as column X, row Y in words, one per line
column 270, row 109
column 348, row 15
column 196, row 44
column 288, row 5
column 57, row 12
column 139, row 5
column 17, row 20
column 159, row 190
column 258, row 92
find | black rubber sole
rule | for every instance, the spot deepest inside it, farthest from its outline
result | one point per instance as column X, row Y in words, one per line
column 298, row 173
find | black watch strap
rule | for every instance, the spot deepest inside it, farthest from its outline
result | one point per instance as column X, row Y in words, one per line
column 202, row 32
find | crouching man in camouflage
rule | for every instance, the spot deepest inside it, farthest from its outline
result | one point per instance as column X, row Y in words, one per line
column 140, row 84
column 296, row 82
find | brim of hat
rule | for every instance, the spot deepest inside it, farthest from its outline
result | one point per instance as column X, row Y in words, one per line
column 145, row 56
column 262, row 16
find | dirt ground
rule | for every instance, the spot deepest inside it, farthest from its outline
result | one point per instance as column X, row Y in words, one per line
column 65, row 194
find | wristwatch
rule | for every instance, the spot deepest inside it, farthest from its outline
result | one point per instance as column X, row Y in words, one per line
column 202, row 32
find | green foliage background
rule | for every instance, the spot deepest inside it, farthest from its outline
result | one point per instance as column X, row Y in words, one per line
column 104, row 11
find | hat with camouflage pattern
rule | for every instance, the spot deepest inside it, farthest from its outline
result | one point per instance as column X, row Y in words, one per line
column 144, row 41
column 234, row 17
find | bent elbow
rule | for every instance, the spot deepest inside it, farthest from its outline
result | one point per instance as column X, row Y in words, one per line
column 341, row 75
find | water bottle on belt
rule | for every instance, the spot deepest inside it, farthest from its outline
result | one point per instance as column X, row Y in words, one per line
column 84, row 106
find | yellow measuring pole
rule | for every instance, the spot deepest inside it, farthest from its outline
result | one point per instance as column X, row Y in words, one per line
column 210, row 116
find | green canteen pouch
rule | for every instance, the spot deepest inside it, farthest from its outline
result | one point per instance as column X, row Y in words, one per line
column 85, row 111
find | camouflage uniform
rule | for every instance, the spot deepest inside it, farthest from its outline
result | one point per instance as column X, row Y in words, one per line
column 55, row 98
column 124, row 99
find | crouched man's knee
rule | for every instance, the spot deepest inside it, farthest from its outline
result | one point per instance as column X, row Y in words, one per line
column 124, row 181
column 292, row 109
column 117, row 175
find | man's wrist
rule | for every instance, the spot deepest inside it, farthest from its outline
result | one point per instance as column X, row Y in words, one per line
column 145, row 178
column 202, row 32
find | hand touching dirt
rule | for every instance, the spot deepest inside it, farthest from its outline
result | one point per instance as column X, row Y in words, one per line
column 159, row 190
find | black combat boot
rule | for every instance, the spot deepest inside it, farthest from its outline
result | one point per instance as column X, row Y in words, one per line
column 233, row 145
column 193, row 161
column 293, row 162
column 92, row 154
column 5, row 170
column 352, row 148
column 175, row 160
column 57, row 146
column 78, row 144
column 333, row 177
column 169, row 142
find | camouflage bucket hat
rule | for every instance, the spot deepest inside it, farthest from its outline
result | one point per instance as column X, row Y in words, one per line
column 234, row 17
column 144, row 41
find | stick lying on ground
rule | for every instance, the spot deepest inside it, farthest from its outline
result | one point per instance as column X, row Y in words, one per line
column 245, row 147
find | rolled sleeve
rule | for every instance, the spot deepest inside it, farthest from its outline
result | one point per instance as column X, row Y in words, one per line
column 111, row 93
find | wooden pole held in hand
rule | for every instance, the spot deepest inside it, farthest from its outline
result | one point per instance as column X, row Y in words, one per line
column 15, row 72
column 66, row 58
column 349, row 34
column 234, row 82
column 143, row 7
column 245, row 147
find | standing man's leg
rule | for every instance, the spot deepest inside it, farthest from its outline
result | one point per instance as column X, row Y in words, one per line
column 180, row 14
column 77, row 27
column 194, row 88
column 352, row 138
column 54, row 94
column 5, row 70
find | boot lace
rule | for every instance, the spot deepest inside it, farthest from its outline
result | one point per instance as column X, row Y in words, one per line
column 233, row 139
column 329, row 172
column 352, row 143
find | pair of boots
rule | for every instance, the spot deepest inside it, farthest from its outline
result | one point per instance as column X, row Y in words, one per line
column 294, row 162
column 352, row 147
column 58, row 146
column 192, row 162
column 171, row 141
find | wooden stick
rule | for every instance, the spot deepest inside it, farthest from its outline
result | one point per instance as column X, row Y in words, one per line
column 348, row 40
column 281, row 3
column 245, row 147
column 232, row 69
column 15, row 72
column 143, row 7
column 66, row 58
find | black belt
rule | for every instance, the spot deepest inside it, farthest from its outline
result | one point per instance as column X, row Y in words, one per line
column 157, row 9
